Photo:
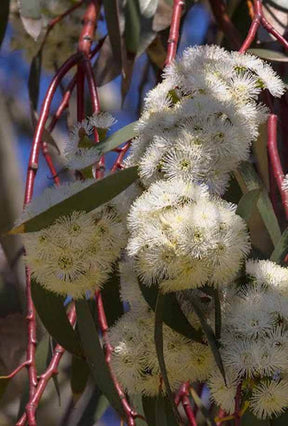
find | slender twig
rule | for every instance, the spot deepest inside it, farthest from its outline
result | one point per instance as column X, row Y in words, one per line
column 275, row 161
column 36, row 144
column 130, row 414
column 237, row 412
column 178, row 6
column 52, row 370
column 257, row 21
column 118, row 163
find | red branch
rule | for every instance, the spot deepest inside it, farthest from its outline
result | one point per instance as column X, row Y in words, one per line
column 130, row 414
column 118, row 163
column 182, row 397
column 258, row 20
column 237, row 412
column 36, row 144
column 178, row 6
column 51, row 371
column 275, row 161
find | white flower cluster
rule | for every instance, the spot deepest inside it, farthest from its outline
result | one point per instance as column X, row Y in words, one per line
column 181, row 237
column 198, row 123
column 255, row 342
column 134, row 359
column 77, row 252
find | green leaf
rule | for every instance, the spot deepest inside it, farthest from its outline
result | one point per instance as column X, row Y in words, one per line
column 269, row 55
column 95, row 408
column 173, row 315
column 4, row 15
column 149, row 407
column 218, row 319
column 157, row 411
column 123, row 135
column 132, row 26
column 281, row 249
column 94, row 355
column 51, row 310
column 34, row 79
column 96, row 194
column 112, row 302
column 164, row 413
column 158, row 338
column 111, row 10
column 31, row 16
column 247, row 204
column 212, row 341
column 79, row 376
column 249, row 180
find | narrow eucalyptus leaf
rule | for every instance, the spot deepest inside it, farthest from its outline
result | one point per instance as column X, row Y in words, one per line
column 248, row 203
column 51, row 310
column 34, row 79
column 248, row 181
column 158, row 337
column 95, row 356
column 173, row 315
column 212, row 341
column 96, row 194
column 269, row 55
column 281, row 249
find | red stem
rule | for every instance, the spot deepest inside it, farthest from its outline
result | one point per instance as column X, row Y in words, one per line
column 275, row 159
column 51, row 371
column 178, row 6
column 238, row 405
column 64, row 103
column 188, row 410
column 183, row 398
column 36, row 144
column 118, row 163
column 130, row 414
column 258, row 20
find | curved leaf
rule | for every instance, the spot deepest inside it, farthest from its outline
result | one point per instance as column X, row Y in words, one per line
column 269, row 55
column 123, row 135
column 249, row 180
column 281, row 249
column 88, row 199
column 51, row 310
column 247, row 204
column 112, row 302
column 34, row 79
column 158, row 338
column 212, row 341
column 95, row 356
column 111, row 9
column 79, row 376
column 173, row 315
column 4, row 15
